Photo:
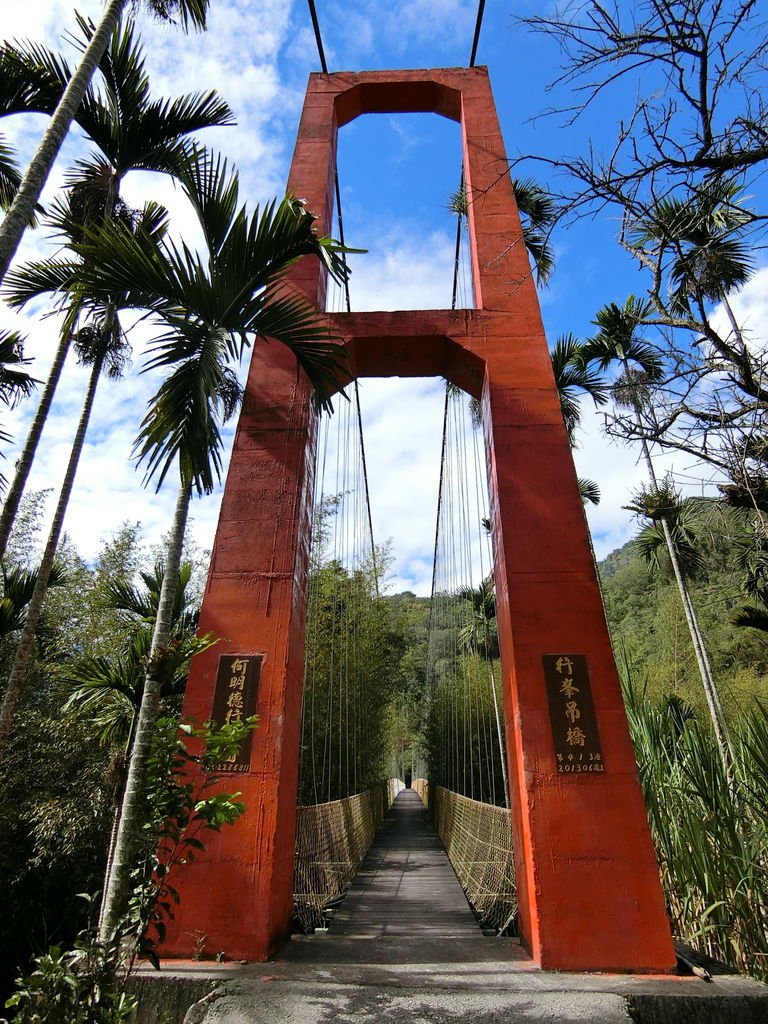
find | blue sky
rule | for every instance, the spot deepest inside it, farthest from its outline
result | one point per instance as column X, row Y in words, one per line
column 396, row 176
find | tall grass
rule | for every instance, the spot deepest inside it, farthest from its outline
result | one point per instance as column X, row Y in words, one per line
column 709, row 824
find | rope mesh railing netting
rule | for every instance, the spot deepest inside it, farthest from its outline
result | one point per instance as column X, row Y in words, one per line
column 331, row 841
column 478, row 840
column 468, row 792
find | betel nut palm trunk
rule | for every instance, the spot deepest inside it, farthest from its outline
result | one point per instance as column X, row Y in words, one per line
column 131, row 816
column 26, row 643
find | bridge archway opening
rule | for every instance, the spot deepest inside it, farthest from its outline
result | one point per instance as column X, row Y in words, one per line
column 403, row 675
column 397, row 175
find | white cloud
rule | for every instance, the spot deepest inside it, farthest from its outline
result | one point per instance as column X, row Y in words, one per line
column 405, row 272
column 401, row 25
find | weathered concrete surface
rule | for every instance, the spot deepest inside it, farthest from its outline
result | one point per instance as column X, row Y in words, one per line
column 448, row 981
column 165, row 997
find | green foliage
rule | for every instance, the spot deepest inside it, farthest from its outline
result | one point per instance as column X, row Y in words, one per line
column 646, row 617
column 76, row 986
column 461, row 728
column 64, row 769
column 573, row 377
column 538, row 213
column 56, row 808
column 356, row 641
column 180, row 808
column 86, row 984
column 709, row 826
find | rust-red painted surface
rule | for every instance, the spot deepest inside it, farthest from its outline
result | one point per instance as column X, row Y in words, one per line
column 590, row 897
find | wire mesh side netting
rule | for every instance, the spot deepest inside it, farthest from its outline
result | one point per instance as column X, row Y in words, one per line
column 467, row 790
column 331, row 840
column 478, row 840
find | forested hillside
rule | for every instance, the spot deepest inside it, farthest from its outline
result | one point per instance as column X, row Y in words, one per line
column 648, row 624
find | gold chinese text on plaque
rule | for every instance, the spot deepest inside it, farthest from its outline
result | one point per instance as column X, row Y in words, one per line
column 237, row 682
column 572, row 714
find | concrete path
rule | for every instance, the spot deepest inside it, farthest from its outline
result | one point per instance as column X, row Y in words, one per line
column 406, row 885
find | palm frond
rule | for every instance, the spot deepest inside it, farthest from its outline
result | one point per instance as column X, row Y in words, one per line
column 32, row 78
column 10, row 178
column 573, row 376
column 538, row 212
column 15, row 383
column 295, row 324
column 131, row 129
column 182, row 420
column 589, row 491
column 18, row 586
column 190, row 13
column 43, row 277
column 617, row 339
column 752, row 616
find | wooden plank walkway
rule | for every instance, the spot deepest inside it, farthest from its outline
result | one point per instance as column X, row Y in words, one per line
column 406, row 885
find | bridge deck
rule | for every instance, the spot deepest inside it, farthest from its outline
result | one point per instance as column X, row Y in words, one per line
column 406, row 885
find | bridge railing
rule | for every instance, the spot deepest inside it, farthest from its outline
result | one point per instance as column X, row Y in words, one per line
column 478, row 840
column 331, row 841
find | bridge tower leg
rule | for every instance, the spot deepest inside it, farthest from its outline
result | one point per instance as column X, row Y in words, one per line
column 590, row 897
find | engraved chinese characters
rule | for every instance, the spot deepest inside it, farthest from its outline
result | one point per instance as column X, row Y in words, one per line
column 237, row 682
column 572, row 714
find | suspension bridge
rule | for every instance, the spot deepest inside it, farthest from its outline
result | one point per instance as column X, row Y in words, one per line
column 506, row 834
column 528, row 716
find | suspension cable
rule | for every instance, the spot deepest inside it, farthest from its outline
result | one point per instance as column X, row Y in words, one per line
column 318, row 36
column 478, row 26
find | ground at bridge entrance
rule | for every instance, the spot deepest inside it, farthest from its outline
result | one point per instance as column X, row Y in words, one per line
column 405, row 947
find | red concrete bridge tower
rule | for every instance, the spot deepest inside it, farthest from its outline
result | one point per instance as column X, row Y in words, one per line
column 589, row 890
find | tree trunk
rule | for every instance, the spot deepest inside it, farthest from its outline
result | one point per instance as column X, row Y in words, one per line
column 119, row 795
column 131, row 818
column 697, row 640
column 26, row 199
column 24, row 465
column 24, row 650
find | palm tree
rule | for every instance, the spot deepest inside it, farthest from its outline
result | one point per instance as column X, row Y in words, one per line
column 15, row 383
column 107, row 691
column 706, row 259
column 641, row 367
column 10, row 179
column 538, row 213
column 99, row 343
column 190, row 13
column 132, row 131
column 574, row 377
column 210, row 306
column 18, row 588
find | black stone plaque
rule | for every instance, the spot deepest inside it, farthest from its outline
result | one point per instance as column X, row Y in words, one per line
column 572, row 714
column 237, row 683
